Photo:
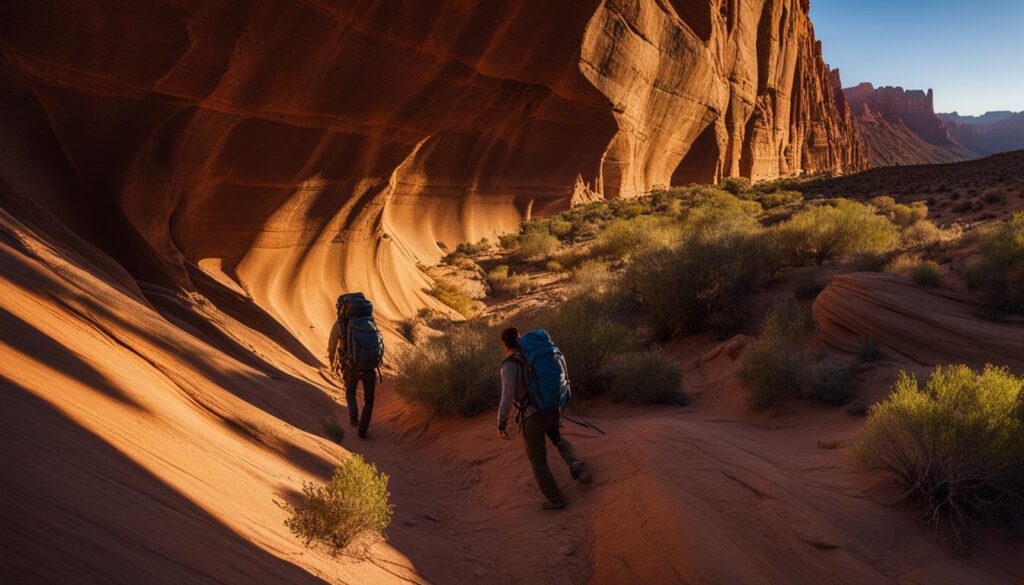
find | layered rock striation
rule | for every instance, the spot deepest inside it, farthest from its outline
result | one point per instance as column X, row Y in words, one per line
column 900, row 127
column 293, row 149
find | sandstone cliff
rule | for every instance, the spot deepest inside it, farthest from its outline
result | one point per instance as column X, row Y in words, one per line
column 293, row 149
column 900, row 127
column 989, row 133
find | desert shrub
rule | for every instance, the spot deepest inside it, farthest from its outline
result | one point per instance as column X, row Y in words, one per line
column 333, row 430
column 736, row 185
column 770, row 368
column 807, row 284
column 883, row 203
column 703, row 280
column 646, row 377
column 497, row 275
column 842, row 231
column 554, row 266
column 780, row 198
column 926, row 274
column 536, row 244
column 515, row 285
column 907, row 215
column 828, row 380
column 920, row 234
column 456, row 372
column 559, row 228
column 594, row 279
column 622, row 238
column 870, row 351
column 466, row 249
column 999, row 275
column 956, row 445
column 451, row 295
column 352, row 509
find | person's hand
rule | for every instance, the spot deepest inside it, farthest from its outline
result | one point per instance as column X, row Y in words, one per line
column 504, row 434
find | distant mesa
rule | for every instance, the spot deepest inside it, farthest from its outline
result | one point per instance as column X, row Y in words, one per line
column 989, row 133
column 900, row 127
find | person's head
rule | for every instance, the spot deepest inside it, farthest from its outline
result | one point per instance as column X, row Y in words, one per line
column 510, row 339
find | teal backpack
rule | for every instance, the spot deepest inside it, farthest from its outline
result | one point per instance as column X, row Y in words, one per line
column 364, row 344
column 547, row 380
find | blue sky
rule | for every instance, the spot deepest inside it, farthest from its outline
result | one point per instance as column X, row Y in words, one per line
column 971, row 52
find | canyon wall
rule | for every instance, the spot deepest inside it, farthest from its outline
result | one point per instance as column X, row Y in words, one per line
column 989, row 133
column 900, row 127
column 292, row 149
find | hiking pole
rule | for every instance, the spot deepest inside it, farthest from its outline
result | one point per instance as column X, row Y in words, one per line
column 582, row 422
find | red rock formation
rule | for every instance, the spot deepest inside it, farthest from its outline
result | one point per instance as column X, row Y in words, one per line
column 929, row 326
column 987, row 134
column 900, row 127
column 292, row 149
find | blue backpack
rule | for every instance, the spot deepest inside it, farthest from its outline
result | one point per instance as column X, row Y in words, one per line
column 547, row 380
column 363, row 342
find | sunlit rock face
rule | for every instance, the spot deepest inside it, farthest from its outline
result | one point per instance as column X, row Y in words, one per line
column 292, row 149
column 900, row 127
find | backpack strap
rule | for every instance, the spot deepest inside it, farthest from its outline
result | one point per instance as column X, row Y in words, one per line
column 521, row 399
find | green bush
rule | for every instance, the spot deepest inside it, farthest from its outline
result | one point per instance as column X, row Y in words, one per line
column 554, row 266
column 456, row 372
column 451, row 295
column 779, row 199
column 927, row 274
column 921, row 234
column 703, row 280
column 844, row 230
column 622, row 238
column 536, row 244
column 333, row 430
column 502, row 282
column 771, row 368
column 827, row 380
column 999, row 276
column 497, row 275
column 647, row 377
column 559, row 228
column 736, row 185
column 353, row 508
column 908, row 215
column 956, row 445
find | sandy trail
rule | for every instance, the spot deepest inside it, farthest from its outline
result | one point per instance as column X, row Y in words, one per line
column 150, row 437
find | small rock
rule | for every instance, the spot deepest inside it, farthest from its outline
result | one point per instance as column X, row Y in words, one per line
column 566, row 550
column 408, row 522
column 430, row 517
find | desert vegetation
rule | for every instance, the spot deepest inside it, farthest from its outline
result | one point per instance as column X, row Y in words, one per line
column 956, row 445
column 347, row 514
column 998, row 275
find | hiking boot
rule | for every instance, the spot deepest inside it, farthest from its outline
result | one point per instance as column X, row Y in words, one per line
column 579, row 472
column 362, row 433
column 549, row 505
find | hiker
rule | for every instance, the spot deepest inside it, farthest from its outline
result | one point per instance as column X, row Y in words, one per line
column 356, row 349
column 538, row 392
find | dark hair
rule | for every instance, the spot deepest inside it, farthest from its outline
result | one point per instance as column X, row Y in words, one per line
column 510, row 337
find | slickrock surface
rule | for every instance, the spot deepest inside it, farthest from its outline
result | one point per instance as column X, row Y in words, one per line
column 292, row 148
column 900, row 127
column 929, row 326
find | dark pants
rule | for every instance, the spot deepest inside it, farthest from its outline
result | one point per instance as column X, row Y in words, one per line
column 352, row 379
column 535, row 428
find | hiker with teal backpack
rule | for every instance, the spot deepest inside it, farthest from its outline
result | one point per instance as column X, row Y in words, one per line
column 535, row 380
column 356, row 350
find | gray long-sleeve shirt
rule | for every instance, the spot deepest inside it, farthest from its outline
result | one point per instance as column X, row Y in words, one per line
column 513, row 389
column 335, row 342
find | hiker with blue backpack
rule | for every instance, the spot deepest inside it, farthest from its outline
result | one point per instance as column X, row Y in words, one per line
column 356, row 350
column 534, row 379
